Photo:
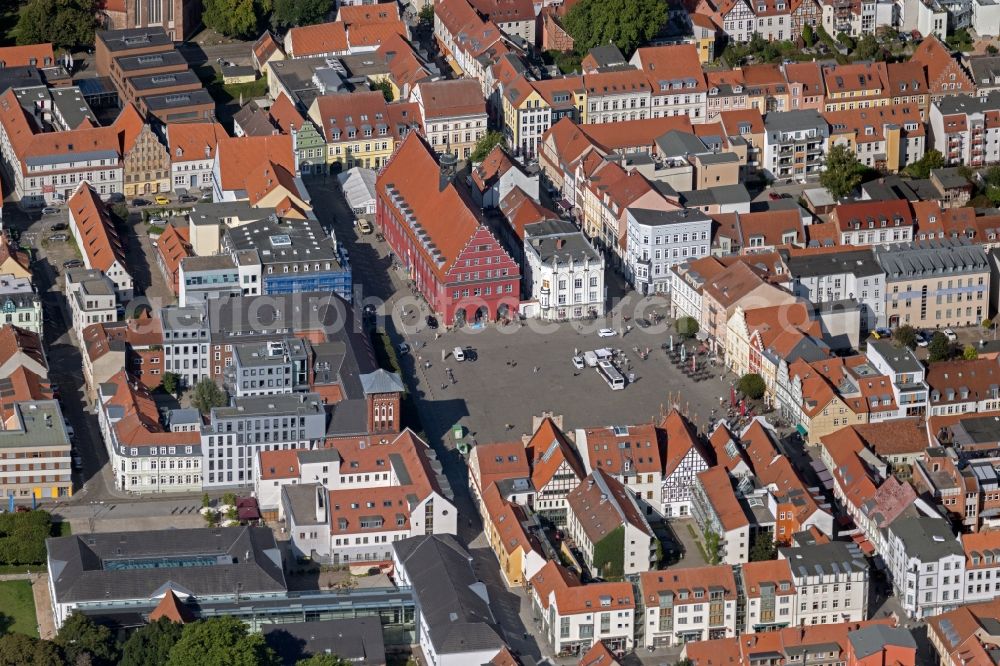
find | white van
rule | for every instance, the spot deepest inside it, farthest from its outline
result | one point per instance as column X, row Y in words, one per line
column 458, row 353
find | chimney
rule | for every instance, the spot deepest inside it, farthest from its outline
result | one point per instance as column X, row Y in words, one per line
column 560, row 242
column 447, row 165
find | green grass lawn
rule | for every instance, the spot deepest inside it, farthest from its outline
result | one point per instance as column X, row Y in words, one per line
column 17, row 608
column 224, row 94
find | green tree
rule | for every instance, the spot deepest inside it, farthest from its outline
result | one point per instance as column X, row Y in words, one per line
column 385, row 87
column 485, row 145
column 150, row 645
column 992, row 50
column 970, row 353
column 867, row 47
column 687, row 327
column 427, row 14
column 235, row 18
column 843, row 172
column 624, row 23
column 905, row 336
column 808, row 36
column 763, row 548
column 206, row 501
column 939, row 348
column 171, row 382
column 846, row 40
column 67, row 24
column 322, row 659
column 229, row 498
column 291, row 13
column 21, row 650
column 207, row 395
column 712, row 543
column 81, row 636
column 221, row 641
column 752, row 386
column 932, row 159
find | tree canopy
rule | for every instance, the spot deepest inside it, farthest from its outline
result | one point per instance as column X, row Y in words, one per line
column 80, row 636
column 624, row 23
column 843, row 172
column 20, row 650
column 970, row 353
column 221, row 641
column 291, row 13
column 485, row 145
column 932, row 159
column 235, row 18
column 939, row 348
column 687, row 327
column 905, row 336
column 207, row 395
column 67, row 24
column 752, row 386
column 150, row 645
column 763, row 548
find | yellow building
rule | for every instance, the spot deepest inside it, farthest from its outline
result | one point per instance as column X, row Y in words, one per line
column 856, row 86
column 518, row 550
column 531, row 107
column 361, row 129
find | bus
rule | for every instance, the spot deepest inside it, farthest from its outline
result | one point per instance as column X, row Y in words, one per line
column 611, row 375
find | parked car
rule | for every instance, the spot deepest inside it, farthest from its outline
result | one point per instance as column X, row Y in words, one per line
column 59, row 226
column 49, row 210
column 77, row 462
column 72, row 263
column 139, row 203
column 578, row 362
column 881, row 333
column 951, row 335
column 157, row 221
column 403, row 349
column 161, row 200
column 606, row 333
column 58, row 237
column 187, row 198
column 69, row 429
column 922, row 339
column 364, row 226
column 432, row 322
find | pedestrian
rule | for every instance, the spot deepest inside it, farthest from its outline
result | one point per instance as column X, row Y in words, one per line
column 535, row 370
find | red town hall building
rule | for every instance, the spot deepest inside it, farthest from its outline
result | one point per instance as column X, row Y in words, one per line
column 433, row 229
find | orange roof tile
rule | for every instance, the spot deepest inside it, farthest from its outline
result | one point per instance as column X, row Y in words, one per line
column 279, row 464
column 775, row 572
column 99, row 239
column 719, row 490
column 672, row 63
column 549, row 449
column 500, row 460
column 171, row 608
column 247, row 156
column 314, row 40
column 33, row 55
column 719, row 577
column 193, row 141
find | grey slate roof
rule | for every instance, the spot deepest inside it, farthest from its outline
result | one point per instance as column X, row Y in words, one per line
column 654, row 218
column 860, row 263
column 382, row 381
column 720, row 196
column 452, row 602
column 924, row 259
column 358, row 640
column 927, row 539
column 899, row 359
column 874, row 638
column 791, row 121
column 559, row 240
column 109, row 565
column 835, row 557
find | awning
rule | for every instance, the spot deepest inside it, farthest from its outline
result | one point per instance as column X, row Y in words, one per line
column 802, row 430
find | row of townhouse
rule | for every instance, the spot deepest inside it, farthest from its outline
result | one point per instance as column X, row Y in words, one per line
column 868, row 643
column 754, row 492
column 809, row 584
column 924, row 559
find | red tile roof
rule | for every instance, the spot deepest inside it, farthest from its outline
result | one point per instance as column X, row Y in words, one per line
column 719, row 490
column 193, row 141
column 99, row 240
column 638, row 446
column 35, row 55
column 775, row 572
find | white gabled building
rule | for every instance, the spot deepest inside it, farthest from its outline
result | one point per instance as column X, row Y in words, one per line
column 563, row 272
column 831, row 582
column 927, row 565
column 683, row 605
column 600, row 507
column 574, row 616
column 683, row 461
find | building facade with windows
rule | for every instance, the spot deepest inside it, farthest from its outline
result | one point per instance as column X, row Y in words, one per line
column 685, row 605
column 235, row 435
column 658, row 240
column 562, row 271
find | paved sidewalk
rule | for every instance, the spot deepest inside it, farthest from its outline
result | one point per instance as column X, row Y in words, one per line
column 43, row 606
